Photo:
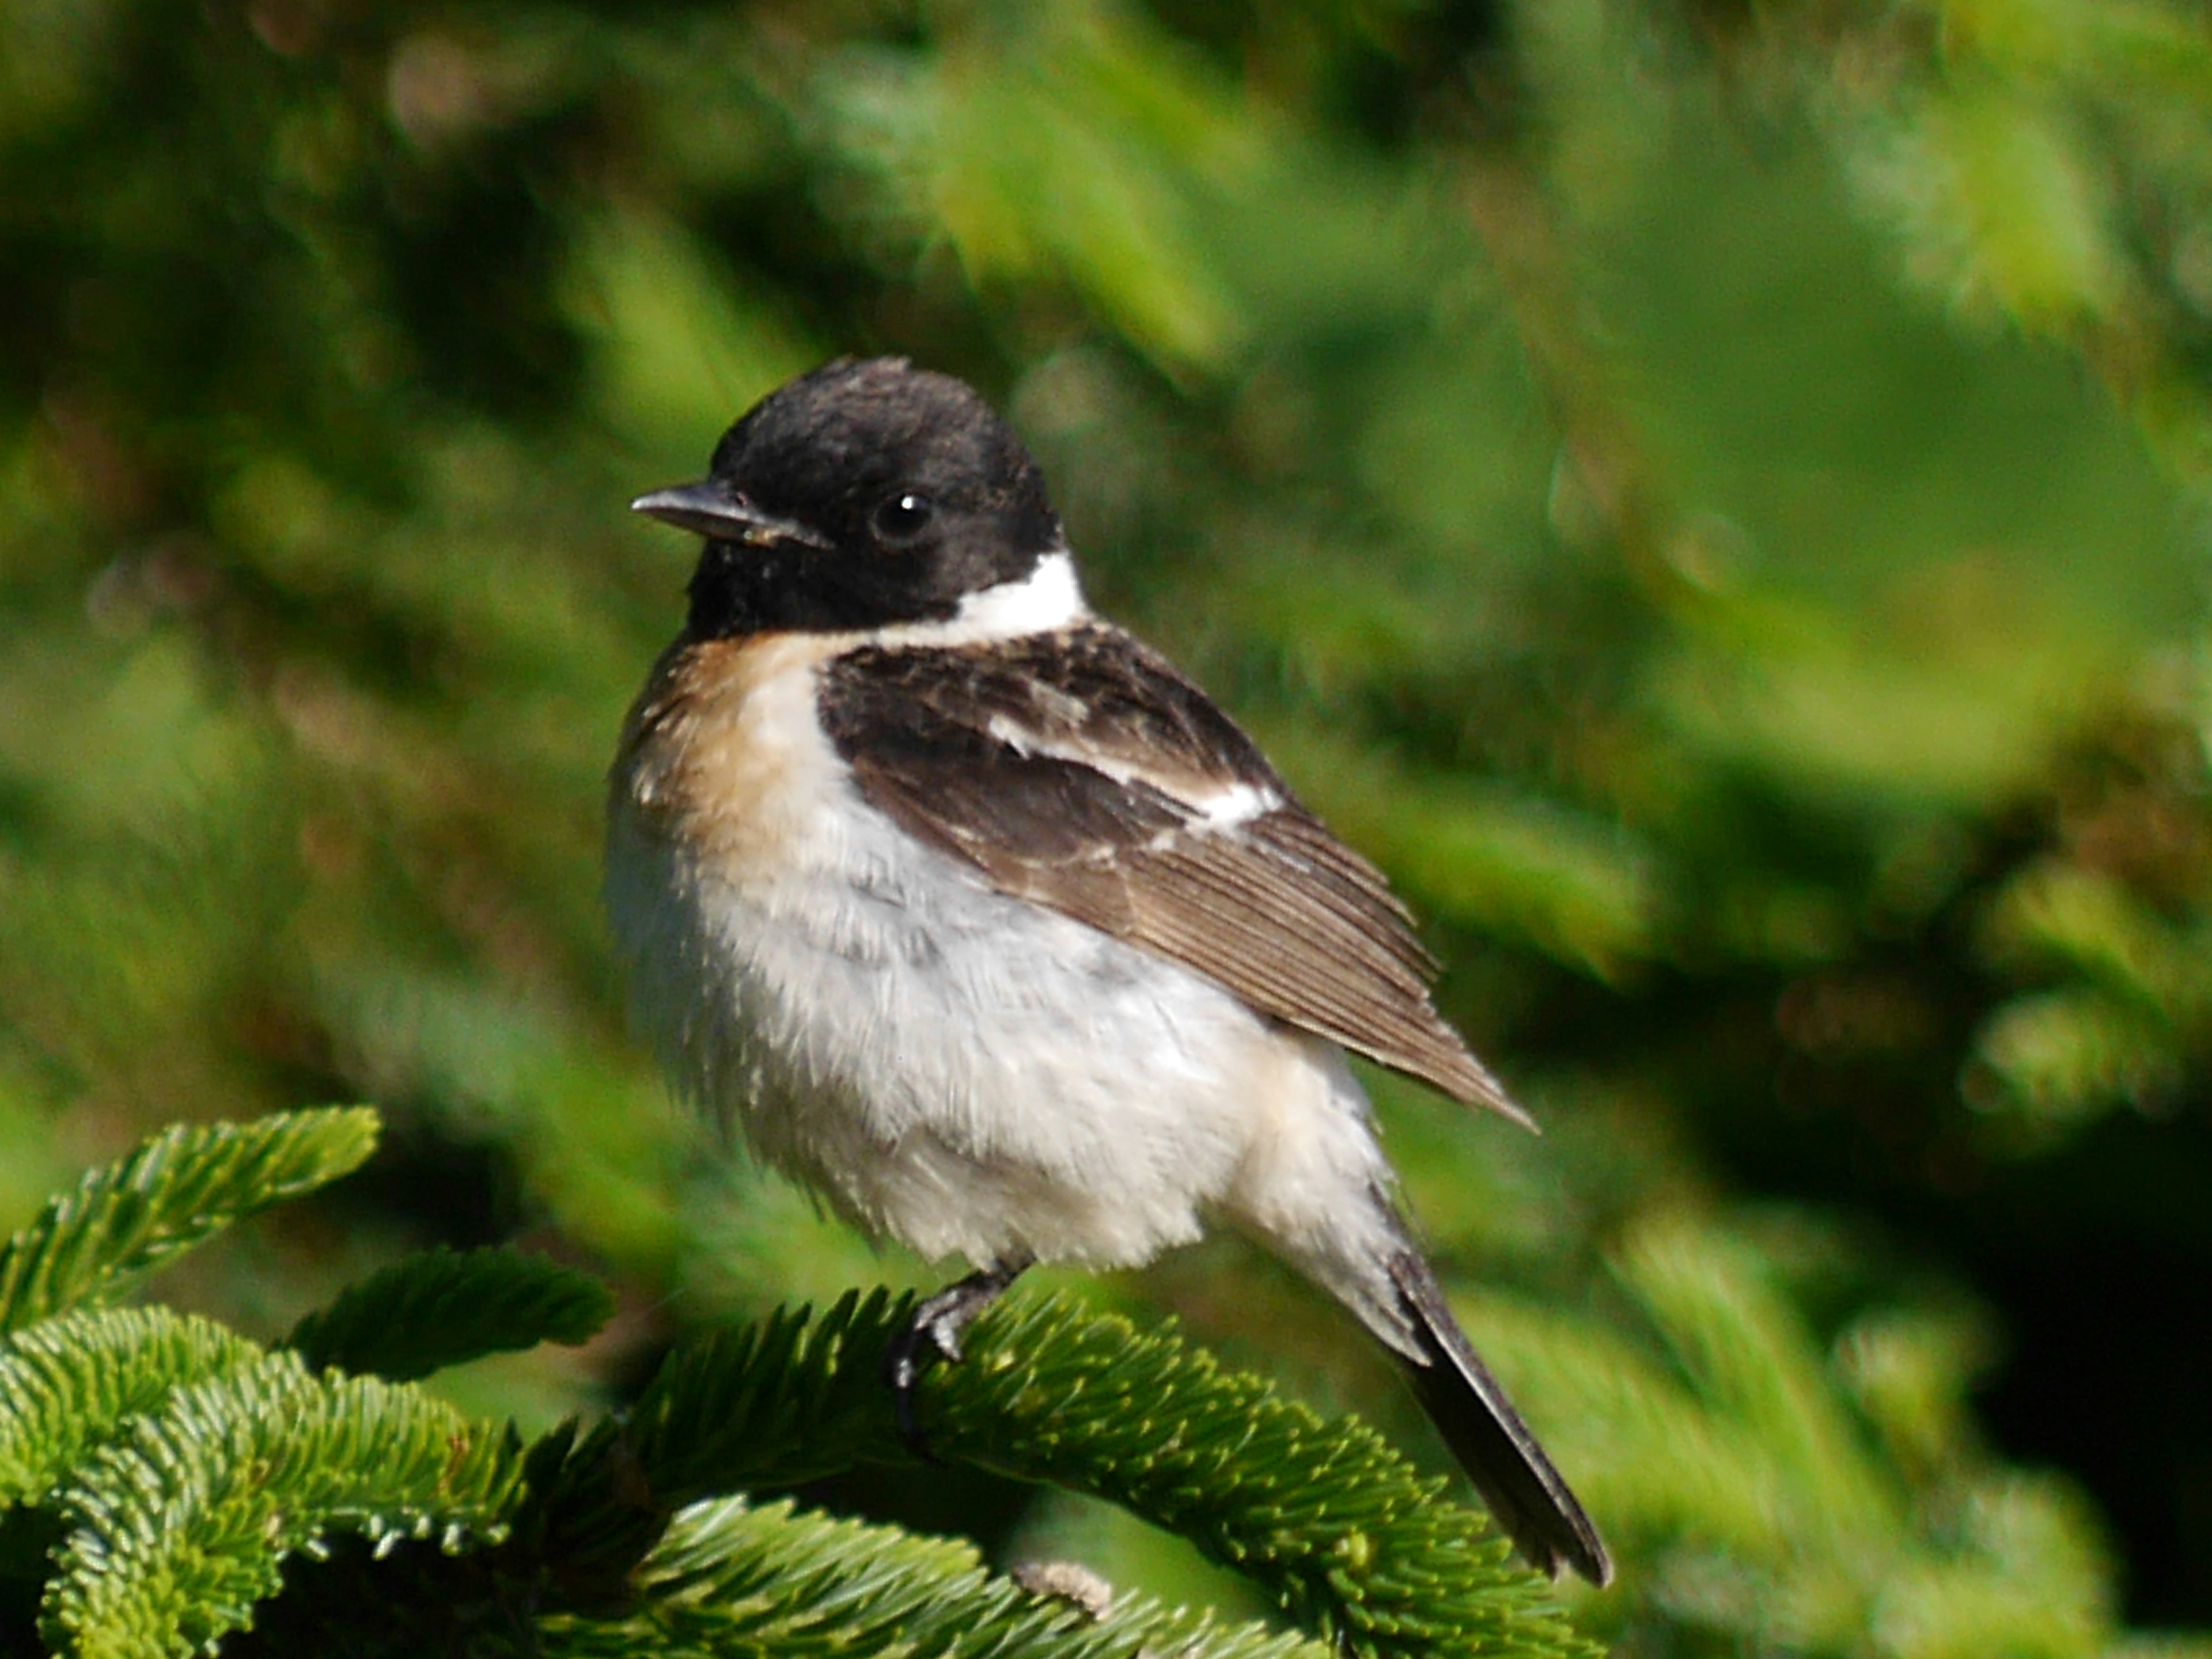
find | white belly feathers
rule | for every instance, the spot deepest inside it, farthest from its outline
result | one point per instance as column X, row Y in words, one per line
column 968, row 1072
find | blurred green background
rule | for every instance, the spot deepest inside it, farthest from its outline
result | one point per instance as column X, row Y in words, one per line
column 1709, row 495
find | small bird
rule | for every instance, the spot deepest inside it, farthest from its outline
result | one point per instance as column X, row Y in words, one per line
column 987, row 925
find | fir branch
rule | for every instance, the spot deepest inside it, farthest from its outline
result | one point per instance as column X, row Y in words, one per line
column 1338, row 1528
column 787, row 1399
column 1348, row 1539
column 67, row 1382
column 442, row 1307
column 180, row 1526
column 178, row 1189
column 731, row 1579
column 778, row 1403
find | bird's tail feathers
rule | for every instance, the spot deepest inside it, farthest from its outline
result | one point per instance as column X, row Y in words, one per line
column 1525, row 1492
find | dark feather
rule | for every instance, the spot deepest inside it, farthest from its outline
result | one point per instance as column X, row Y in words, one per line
column 1074, row 768
column 1487, row 1434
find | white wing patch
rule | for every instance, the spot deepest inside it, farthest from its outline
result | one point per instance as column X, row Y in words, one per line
column 1240, row 803
column 1211, row 809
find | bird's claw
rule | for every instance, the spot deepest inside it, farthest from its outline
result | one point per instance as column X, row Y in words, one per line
column 932, row 1332
column 904, row 1362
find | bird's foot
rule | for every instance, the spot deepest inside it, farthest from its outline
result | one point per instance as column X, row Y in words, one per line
column 933, row 1333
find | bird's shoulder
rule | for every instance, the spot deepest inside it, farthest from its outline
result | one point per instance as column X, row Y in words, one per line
column 1087, row 698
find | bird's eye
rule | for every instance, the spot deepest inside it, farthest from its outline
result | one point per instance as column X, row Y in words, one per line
column 904, row 517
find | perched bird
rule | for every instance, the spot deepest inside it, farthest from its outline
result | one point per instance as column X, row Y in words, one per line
column 987, row 925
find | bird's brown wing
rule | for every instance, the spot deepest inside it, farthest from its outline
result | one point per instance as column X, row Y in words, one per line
column 1078, row 770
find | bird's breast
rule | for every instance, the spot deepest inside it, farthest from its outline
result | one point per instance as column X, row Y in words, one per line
column 722, row 757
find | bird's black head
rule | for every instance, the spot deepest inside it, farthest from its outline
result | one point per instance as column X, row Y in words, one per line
column 861, row 495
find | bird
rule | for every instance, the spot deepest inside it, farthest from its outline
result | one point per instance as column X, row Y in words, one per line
column 983, row 923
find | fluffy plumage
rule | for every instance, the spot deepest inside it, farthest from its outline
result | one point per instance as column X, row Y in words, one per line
column 1076, row 768
column 984, row 923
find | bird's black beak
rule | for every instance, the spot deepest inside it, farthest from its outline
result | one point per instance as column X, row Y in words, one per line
column 715, row 511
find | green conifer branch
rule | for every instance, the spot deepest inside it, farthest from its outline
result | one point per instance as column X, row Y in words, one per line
column 733, row 1579
column 183, row 1524
column 67, row 1382
column 442, row 1307
column 789, row 1399
column 176, row 1190
column 173, row 1469
column 1337, row 1527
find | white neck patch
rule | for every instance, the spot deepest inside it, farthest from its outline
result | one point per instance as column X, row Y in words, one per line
column 1047, row 597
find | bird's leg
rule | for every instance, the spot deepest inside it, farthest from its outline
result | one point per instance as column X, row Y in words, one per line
column 934, row 1333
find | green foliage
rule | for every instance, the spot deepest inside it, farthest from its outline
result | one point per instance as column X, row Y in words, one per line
column 1331, row 1524
column 1815, row 1499
column 442, row 1307
column 1665, row 480
column 71, row 1380
column 171, row 1463
column 728, row 1578
column 179, row 1526
column 178, row 1190
column 778, row 1403
column 2044, row 160
column 1062, row 151
column 170, row 1480
column 1325, row 1517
